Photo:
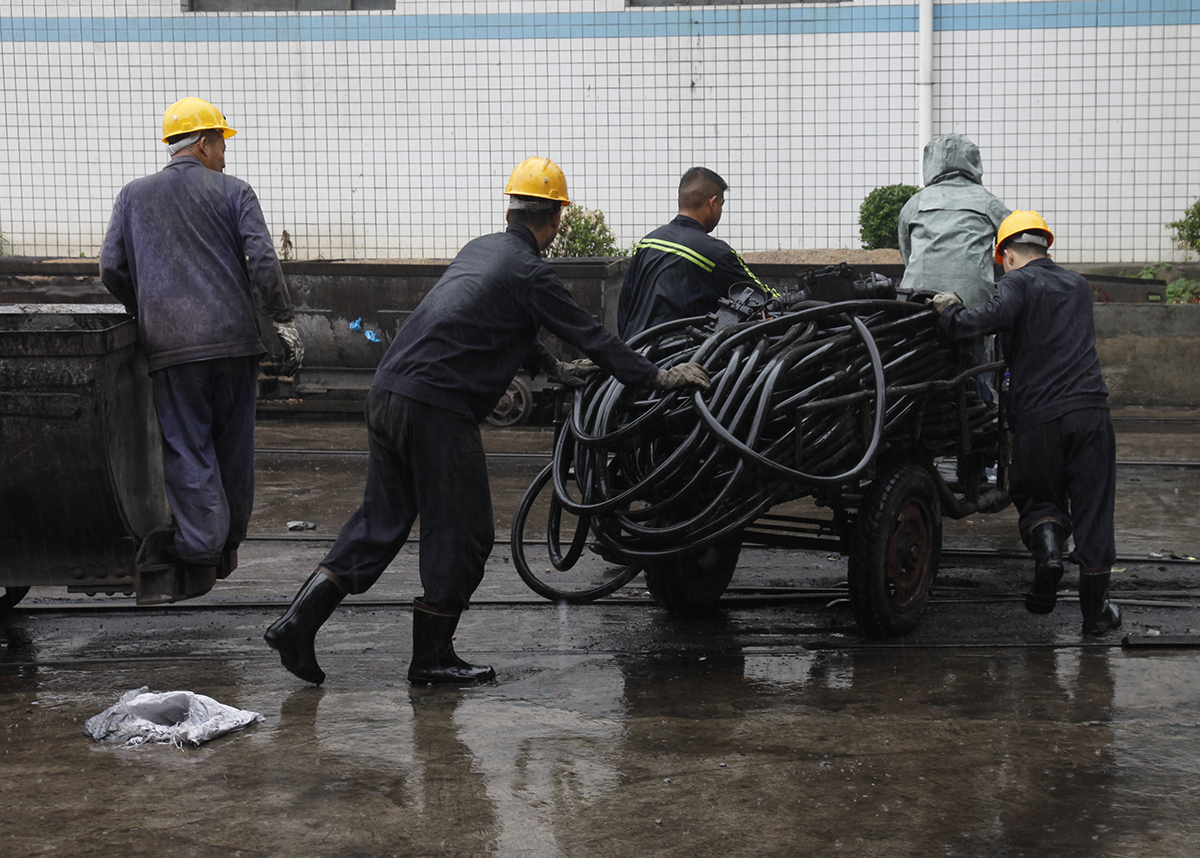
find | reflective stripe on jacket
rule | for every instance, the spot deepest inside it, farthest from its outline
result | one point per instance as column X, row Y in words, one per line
column 676, row 272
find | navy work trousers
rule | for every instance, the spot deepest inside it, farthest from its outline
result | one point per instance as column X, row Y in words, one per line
column 1066, row 469
column 429, row 461
column 206, row 414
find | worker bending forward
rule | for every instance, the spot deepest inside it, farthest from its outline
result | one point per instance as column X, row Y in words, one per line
column 444, row 372
column 183, row 249
column 1063, row 478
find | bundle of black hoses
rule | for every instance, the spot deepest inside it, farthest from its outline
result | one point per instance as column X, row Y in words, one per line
column 799, row 403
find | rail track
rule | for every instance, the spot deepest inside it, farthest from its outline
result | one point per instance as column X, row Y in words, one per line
column 733, row 597
column 541, row 459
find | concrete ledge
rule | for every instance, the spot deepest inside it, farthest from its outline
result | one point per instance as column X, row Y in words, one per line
column 1150, row 353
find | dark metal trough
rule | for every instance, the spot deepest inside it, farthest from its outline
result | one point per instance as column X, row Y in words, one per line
column 82, row 482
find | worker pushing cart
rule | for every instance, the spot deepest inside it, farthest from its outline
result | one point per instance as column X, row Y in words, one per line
column 850, row 400
column 1064, row 450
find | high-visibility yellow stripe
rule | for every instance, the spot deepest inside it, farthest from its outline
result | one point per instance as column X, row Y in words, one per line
column 702, row 261
column 679, row 250
column 761, row 284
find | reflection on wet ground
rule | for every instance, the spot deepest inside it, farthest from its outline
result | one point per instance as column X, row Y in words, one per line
column 616, row 734
column 769, row 729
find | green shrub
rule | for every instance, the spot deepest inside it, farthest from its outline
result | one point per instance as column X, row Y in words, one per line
column 1187, row 228
column 583, row 232
column 1183, row 291
column 1179, row 291
column 879, row 216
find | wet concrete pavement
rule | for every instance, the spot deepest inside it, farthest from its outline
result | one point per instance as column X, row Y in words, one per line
column 770, row 728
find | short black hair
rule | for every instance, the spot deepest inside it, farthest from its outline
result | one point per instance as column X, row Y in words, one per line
column 535, row 218
column 1027, row 248
column 698, row 185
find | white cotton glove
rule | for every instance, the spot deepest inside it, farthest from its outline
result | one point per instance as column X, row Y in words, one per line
column 680, row 376
column 293, row 348
column 943, row 301
column 573, row 373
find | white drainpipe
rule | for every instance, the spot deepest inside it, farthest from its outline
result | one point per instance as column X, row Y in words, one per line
column 924, row 82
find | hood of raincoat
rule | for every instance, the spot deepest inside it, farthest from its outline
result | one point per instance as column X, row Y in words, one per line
column 952, row 155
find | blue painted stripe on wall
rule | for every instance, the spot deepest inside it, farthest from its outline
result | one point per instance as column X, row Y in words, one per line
column 630, row 23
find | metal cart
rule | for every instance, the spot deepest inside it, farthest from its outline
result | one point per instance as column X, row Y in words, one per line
column 847, row 411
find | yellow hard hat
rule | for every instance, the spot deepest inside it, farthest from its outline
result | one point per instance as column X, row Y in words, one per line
column 1019, row 222
column 189, row 115
column 538, row 177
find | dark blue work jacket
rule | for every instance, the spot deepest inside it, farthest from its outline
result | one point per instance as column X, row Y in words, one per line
column 677, row 271
column 182, row 249
column 1044, row 312
column 479, row 324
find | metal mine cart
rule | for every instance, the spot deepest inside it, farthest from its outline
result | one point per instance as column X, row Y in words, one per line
column 81, row 489
column 824, row 428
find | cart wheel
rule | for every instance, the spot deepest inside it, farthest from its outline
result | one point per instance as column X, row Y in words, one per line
column 514, row 406
column 579, row 574
column 895, row 553
column 12, row 595
column 693, row 584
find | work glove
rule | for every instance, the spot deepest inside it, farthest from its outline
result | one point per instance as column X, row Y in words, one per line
column 943, row 301
column 573, row 373
column 680, row 376
column 293, row 348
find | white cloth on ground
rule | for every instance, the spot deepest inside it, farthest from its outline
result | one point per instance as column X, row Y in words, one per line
column 168, row 718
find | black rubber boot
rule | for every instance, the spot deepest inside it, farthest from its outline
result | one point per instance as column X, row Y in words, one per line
column 295, row 633
column 434, row 661
column 1046, row 543
column 228, row 562
column 1100, row 616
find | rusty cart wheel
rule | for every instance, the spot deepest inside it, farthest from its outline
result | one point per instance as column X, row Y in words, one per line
column 574, row 573
column 896, row 548
column 693, row 584
column 514, row 406
column 12, row 595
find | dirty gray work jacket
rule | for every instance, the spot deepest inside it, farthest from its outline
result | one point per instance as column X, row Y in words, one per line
column 678, row 271
column 1045, row 313
column 479, row 324
column 182, row 249
column 947, row 230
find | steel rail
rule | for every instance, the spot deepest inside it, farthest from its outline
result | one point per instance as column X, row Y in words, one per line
column 981, row 553
column 734, row 597
column 274, row 451
column 547, row 457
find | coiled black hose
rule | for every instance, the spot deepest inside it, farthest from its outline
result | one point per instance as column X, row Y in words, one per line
column 800, row 403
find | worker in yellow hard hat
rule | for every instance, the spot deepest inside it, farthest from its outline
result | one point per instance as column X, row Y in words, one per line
column 448, row 366
column 1063, row 478
column 185, row 250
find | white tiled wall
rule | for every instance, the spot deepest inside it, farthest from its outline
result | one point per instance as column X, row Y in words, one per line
column 395, row 140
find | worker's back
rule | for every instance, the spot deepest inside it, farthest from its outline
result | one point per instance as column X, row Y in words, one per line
column 947, row 230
